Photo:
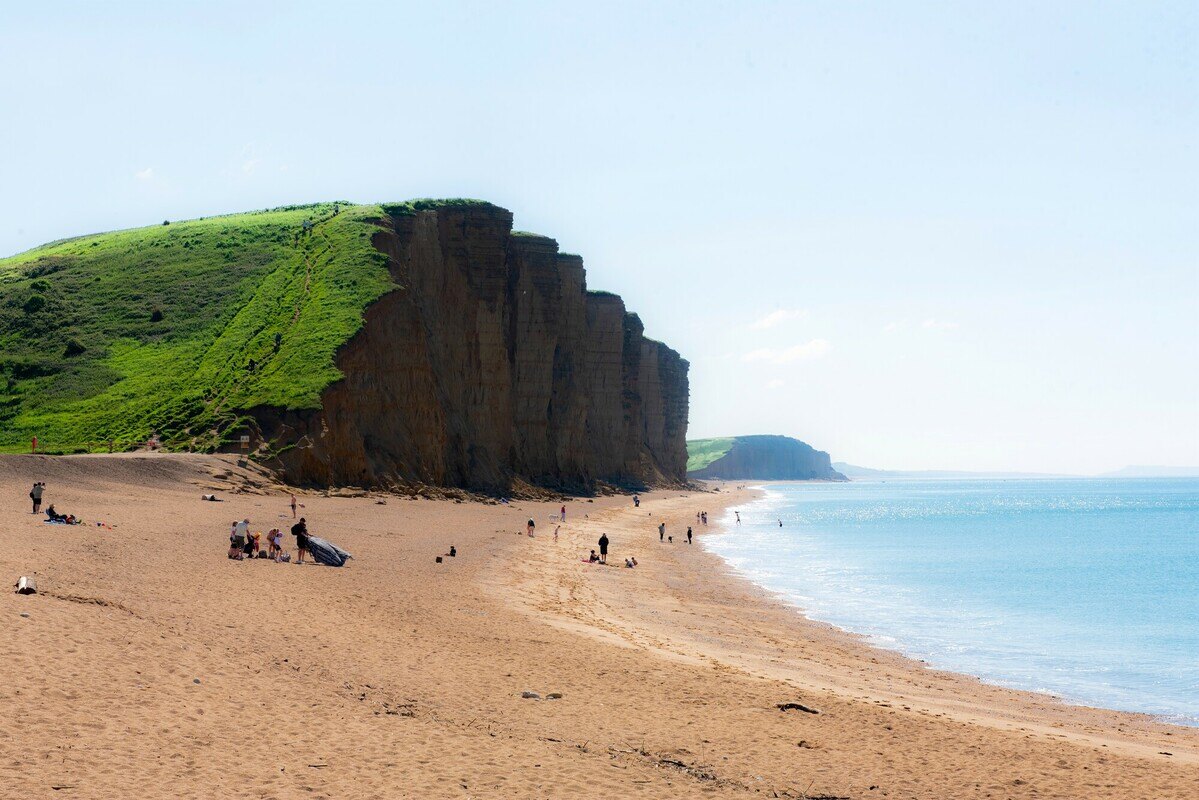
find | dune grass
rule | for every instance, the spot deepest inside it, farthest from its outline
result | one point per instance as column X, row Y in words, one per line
column 175, row 329
column 702, row 452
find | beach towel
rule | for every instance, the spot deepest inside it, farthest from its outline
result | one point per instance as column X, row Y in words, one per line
column 327, row 553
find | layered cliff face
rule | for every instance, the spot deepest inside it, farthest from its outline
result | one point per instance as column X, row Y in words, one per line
column 490, row 366
column 779, row 458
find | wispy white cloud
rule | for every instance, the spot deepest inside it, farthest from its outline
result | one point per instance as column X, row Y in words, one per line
column 938, row 325
column 816, row 348
column 146, row 174
column 249, row 165
column 776, row 317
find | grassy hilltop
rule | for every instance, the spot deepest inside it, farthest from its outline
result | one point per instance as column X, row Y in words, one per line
column 702, row 452
column 175, row 328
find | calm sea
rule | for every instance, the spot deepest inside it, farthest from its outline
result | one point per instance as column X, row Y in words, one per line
column 1086, row 589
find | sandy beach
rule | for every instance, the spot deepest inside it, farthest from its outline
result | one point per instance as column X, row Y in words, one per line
column 150, row 665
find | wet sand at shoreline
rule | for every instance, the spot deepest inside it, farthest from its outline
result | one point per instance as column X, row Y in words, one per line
column 152, row 666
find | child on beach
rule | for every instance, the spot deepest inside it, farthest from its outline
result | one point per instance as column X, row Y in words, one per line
column 529, row 528
column 274, row 542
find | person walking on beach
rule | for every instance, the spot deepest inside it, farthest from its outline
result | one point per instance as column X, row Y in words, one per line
column 35, row 494
column 300, row 531
column 636, row 501
column 556, row 529
column 738, row 515
column 603, row 544
column 688, row 534
column 529, row 528
column 293, row 506
column 562, row 516
column 661, row 531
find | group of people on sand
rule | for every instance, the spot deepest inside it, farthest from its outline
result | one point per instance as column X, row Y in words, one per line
column 243, row 544
column 36, row 493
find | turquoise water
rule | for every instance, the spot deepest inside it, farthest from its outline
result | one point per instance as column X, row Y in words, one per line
column 1086, row 589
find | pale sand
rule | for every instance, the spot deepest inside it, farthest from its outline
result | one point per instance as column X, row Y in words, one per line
column 400, row 677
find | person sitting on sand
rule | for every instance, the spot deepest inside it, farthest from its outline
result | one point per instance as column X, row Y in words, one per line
column 300, row 531
column 593, row 558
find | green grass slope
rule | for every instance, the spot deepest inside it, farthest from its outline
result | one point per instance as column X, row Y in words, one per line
column 174, row 328
column 702, row 452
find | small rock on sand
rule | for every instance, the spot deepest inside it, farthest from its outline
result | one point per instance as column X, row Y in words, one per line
column 530, row 695
column 554, row 696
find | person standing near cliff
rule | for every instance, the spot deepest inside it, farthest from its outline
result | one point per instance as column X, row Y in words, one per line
column 636, row 501
column 603, row 546
column 300, row 531
column 530, row 526
column 562, row 516
column 293, row 506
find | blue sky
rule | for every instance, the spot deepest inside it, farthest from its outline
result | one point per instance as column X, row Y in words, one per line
column 918, row 235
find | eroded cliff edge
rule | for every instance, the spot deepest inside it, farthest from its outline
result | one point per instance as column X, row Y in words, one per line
column 490, row 367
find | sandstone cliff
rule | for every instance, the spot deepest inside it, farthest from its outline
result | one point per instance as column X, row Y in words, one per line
column 490, row 367
column 779, row 458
